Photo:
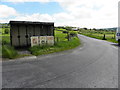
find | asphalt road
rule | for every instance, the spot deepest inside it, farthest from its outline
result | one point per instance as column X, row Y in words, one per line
column 92, row 65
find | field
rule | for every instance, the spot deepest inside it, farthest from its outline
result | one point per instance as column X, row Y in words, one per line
column 100, row 34
column 60, row 36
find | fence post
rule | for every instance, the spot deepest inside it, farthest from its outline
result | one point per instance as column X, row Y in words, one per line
column 68, row 37
column 57, row 39
column 114, row 35
column 104, row 37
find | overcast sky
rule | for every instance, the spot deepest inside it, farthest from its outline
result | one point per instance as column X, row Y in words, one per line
column 80, row 13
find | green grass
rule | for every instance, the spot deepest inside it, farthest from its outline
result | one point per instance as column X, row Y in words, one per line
column 0, row 50
column 60, row 46
column 61, row 29
column 5, row 39
column 3, row 29
column 9, row 52
column 109, row 35
column 60, row 36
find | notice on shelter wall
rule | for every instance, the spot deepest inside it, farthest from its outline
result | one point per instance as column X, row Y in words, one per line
column 42, row 40
column 50, row 40
column 34, row 41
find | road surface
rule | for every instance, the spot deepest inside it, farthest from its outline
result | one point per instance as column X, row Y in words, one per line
column 92, row 65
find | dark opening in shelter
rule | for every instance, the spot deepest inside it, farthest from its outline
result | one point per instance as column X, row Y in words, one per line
column 21, row 31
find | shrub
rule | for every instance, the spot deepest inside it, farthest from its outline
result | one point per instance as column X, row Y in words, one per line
column 65, row 31
column 72, row 33
column 5, row 40
column 36, row 50
column 6, row 31
column 68, row 28
column 8, row 52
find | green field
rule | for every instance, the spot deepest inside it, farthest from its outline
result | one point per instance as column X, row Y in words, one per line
column 60, row 36
column 61, row 29
column 109, row 35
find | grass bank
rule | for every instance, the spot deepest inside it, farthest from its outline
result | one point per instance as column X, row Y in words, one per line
column 109, row 35
column 60, row 46
column 9, row 52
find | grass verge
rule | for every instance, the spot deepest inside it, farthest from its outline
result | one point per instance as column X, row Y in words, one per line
column 9, row 52
column 108, row 37
column 60, row 46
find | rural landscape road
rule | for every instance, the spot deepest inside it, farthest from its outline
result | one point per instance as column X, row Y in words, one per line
column 92, row 65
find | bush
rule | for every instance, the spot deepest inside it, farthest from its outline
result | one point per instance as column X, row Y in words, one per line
column 6, row 31
column 8, row 52
column 5, row 40
column 72, row 33
column 65, row 31
column 36, row 50
column 68, row 28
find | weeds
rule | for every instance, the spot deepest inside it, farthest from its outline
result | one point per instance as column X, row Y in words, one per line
column 60, row 46
column 9, row 52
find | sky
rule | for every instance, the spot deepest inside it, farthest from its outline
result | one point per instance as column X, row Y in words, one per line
column 78, row 13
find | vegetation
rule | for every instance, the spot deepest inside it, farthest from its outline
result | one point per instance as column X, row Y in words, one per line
column 61, row 43
column 60, row 46
column 9, row 52
column 103, row 34
column 6, row 31
column 73, row 33
column 65, row 38
column 5, row 40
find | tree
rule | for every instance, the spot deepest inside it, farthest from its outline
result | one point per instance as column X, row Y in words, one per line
column 94, row 29
column 85, row 28
column 68, row 28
